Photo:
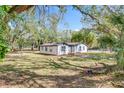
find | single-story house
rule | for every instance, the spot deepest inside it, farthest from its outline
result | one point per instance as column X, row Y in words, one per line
column 62, row 48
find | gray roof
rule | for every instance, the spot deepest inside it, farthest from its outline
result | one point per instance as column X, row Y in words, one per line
column 56, row 44
column 72, row 44
column 49, row 44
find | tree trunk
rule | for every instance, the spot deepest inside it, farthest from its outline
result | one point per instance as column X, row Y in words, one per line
column 32, row 48
column 39, row 43
column 120, row 52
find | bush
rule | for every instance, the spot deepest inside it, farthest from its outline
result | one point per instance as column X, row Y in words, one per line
column 3, row 50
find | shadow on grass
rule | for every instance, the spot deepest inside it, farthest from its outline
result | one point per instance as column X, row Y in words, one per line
column 96, row 70
column 45, row 54
column 65, row 64
column 88, row 58
column 13, row 77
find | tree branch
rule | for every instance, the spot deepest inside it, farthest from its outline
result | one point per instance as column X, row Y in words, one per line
column 85, row 13
column 19, row 8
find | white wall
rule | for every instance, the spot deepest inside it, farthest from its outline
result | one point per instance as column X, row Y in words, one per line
column 76, row 48
column 83, row 48
column 61, row 52
column 53, row 48
column 56, row 50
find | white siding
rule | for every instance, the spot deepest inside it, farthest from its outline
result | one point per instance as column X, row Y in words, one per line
column 50, row 50
column 60, row 52
column 83, row 48
column 57, row 50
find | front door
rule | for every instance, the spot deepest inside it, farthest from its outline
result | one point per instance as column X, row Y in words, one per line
column 72, row 49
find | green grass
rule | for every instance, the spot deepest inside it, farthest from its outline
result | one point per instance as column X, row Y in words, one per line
column 91, row 57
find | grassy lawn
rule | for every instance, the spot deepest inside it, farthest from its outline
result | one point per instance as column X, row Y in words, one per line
column 32, row 69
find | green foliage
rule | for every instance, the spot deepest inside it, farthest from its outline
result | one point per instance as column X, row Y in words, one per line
column 107, row 41
column 3, row 47
column 110, row 21
column 3, row 50
column 77, row 36
column 118, row 21
column 86, row 36
column 3, row 27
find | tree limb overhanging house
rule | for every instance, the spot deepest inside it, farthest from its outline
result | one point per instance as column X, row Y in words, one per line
column 62, row 48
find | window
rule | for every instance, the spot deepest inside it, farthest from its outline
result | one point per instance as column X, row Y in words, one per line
column 45, row 48
column 80, row 48
column 63, row 48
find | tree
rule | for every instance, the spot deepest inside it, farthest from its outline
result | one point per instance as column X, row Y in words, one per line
column 3, row 27
column 107, row 41
column 77, row 37
column 108, row 20
column 64, row 36
column 118, row 21
column 104, row 19
column 85, row 36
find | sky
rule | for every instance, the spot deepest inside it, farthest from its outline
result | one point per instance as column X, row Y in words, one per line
column 71, row 19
